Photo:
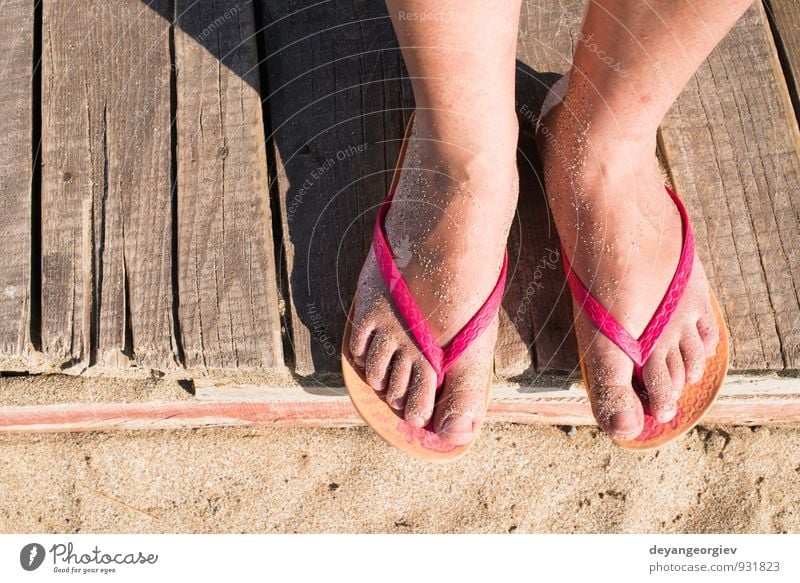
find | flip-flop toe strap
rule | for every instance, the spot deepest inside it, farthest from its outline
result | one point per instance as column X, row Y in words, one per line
column 479, row 322
column 440, row 358
column 403, row 300
column 638, row 350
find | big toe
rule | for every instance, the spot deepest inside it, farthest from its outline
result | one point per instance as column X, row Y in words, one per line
column 615, row 405
column 625, row 423
column 461, row 405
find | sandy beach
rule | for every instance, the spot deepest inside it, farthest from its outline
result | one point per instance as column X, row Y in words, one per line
column 516, row 479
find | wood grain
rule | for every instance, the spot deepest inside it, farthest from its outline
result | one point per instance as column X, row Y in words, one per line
column 733, row 149
column 16, row 46
column 106, row 196
column 227, row 283
column 338, row 100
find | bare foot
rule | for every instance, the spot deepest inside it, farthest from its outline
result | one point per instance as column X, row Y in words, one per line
column 622, row 234
column 447, row 228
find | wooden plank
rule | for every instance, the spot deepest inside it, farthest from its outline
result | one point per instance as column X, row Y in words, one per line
column 785, row 18
column 227, row 280
column 338, row 102
column 536, row 323
column 745, row 400
column 733, row 148
column 16, row 48
column 106, row 209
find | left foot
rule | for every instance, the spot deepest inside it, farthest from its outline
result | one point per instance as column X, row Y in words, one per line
column 622, row 233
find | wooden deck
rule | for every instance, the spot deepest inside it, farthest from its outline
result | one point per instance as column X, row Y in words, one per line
column 188, row 190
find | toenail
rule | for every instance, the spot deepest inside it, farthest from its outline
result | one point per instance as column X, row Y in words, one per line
column 624, row 423
column 665, row 415
column 398, row 403
column 458, row 425
column 416, row 420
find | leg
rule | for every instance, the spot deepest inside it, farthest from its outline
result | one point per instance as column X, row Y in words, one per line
column 455, row 201
column 615, row 220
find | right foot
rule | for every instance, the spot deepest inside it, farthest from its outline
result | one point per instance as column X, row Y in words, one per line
column 447, row 229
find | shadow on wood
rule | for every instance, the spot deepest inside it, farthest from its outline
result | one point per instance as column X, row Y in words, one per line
column 536, row 323
column 338, row 99
column 208, row 24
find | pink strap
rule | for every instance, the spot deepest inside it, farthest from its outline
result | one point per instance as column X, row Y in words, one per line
column 441, row 358
column 638, row 350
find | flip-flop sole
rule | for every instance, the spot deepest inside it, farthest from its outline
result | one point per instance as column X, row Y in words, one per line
column 419, row 442
column 695, row 400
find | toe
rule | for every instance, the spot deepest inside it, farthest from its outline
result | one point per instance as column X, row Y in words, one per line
column 615, row 405
column 360, row 336
column 617, row 409
column 677, row 371
column 462, row 406
column 421, row 395
column 379, row 355
column 694, row 356
column 709, row 333
column 658, row 380
column 399, row 377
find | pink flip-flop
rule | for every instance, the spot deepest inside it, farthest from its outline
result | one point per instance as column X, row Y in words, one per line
column 419, row 442
column 696, row 398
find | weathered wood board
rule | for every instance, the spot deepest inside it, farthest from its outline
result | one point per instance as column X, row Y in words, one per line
column 16, row 163
column 107, row 287
column 227, row 289
column 733, row 150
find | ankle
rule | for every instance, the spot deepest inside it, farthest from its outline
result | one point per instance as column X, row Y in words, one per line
column 589, row 148
column 610, row 114
column 465, row 153
column 472, row 130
